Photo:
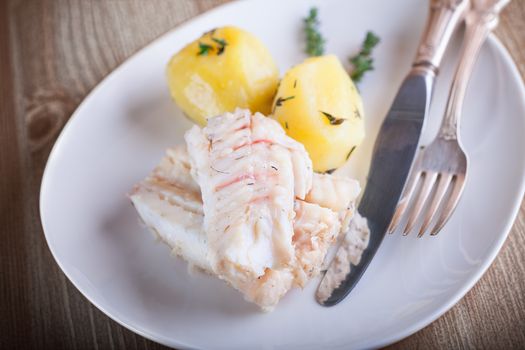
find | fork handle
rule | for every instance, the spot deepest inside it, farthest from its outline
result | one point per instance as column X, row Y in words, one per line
column 480, row 20
column 443, row 19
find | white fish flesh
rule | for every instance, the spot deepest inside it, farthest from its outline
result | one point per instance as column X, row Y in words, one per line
column 249, row 172
column 169, row 201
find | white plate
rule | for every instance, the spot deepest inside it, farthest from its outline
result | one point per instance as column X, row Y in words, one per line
column 122, row 128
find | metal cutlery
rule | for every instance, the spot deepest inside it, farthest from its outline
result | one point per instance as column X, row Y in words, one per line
column 440, row 170
column 397, row 141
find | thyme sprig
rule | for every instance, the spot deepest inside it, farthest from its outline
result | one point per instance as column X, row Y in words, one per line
column 363, row 61
column 314, row 40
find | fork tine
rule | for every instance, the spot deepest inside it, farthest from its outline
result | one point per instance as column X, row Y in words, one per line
column 442, row 186
column 405, row 200
column 428, row 183
column 458, row 185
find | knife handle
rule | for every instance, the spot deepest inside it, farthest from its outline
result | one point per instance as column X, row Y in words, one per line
column 443, row 18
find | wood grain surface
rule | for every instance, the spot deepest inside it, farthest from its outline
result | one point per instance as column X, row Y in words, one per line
column 52, row 53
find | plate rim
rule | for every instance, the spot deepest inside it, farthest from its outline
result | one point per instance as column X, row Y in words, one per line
column 417, row 326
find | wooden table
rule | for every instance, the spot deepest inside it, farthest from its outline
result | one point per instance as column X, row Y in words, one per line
column 52, row 53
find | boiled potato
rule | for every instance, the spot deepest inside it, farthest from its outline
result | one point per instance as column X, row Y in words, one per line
column 223, row 69
column 318, row 105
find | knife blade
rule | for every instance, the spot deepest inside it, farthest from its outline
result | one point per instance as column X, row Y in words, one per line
column 392, row 158
column 396, row 145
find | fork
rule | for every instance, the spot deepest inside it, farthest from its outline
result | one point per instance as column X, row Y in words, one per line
column 443, row 163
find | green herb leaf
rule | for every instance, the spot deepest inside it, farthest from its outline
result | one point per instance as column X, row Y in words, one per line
column 222, row 45
column 286, row 125
column 333, row 120
column 204, row 49
column 314, row 40
column 350, row 153
column 280, row 100
column 371, row 40
column 363, row 62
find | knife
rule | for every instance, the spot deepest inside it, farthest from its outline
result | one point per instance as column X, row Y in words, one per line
column 397, row 142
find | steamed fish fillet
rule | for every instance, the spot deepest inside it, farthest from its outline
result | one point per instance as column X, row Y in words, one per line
column 169, row 203
column 315, row 229
column 176, row 217
column 336, row 193
column 355, row 241
column 249, row 172
column 175, row 167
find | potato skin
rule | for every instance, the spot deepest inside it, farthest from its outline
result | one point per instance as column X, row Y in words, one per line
column 321, row 84
column 243, row 75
